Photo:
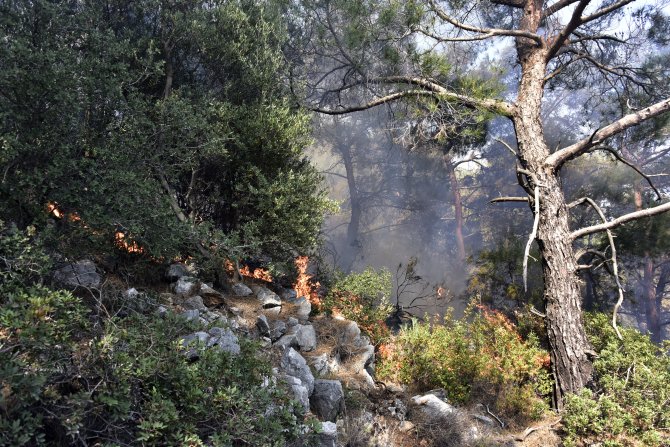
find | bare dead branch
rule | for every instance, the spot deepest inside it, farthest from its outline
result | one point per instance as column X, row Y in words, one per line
column 615, row 264
column 531, row 237
column 509, row 199
column 507, row 146
column 621, row 220
column 559, row 157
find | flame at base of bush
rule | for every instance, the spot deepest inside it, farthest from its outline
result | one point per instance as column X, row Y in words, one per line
column 303, row 284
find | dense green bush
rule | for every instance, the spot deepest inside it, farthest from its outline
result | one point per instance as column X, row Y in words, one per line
column 481, row 358
column 364, row 298
column 167, row 121
column 69, row 378
column 629, row 401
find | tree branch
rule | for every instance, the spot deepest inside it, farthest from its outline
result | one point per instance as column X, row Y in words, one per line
column 474, row 29
column 559, row 157
column 621, row 220
column 531, row 237
column 630, row 165
column 374, row 103
column 509, row 199
column 615, row 264
column 428, row 88
column 558, row 41
column 553, row 9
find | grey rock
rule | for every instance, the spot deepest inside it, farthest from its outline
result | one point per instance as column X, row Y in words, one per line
column 265, row 342
column 292, row 321
column 217, row 331
column 192, row 315
column 194, row 338
column 273, row 311
column 131, row 293
column 227, row 342
column 78, row 274
column 186, row 286
column 433, row 406
column 398, row 409
column 235, row 311
column 287, row 341
column 305, row 337
column 327, row 400
column 406, row 426
column 293, row 364
column 263, row 325
column 350, row 334
column 176, row 271
column 162, row 311
column 328, row 435
column 320, row 364
column 485, row 420
column 278, row 330
column 194, row 302
column 240, row 289
column 289, row 295
column 268, row 298
column 364, row 356
column 304, row 308
column 300, row 391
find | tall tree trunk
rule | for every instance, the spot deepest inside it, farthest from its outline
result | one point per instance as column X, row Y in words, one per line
column 648, row 295
column 458, row 209
column 353, row 229
column 571, row 365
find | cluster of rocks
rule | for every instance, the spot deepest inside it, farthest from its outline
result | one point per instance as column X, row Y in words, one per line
column 324, row 398
column 304, row 365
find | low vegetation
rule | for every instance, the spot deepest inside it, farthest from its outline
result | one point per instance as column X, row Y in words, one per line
column 479, row 359
column 629, row 406
column 67, row 377
column 364, row 298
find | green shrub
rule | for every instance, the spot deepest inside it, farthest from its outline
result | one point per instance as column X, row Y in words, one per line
column 481, row 358
column 363, row 298
column 632, row 379
column 130, row 383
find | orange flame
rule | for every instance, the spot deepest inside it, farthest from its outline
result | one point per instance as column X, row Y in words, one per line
column 302, row 285
column 52, row 209
column 130, row 247
column 256, row 273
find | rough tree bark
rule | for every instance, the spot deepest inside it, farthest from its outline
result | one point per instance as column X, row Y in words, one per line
column 570, row 362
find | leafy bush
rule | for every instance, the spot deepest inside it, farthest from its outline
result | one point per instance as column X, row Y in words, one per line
column 481, row 358
column 65, row 380
column 363, row 298
column 632, row 379
column 128, row 384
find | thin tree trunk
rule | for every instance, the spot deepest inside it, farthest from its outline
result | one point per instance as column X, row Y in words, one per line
column 353, row 244
column 458, row 209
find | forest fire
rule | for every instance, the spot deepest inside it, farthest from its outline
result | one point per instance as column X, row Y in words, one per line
column 302, row 285
column 257, row 273
column 123, row 244
column 52, row 208
column 119, row 237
